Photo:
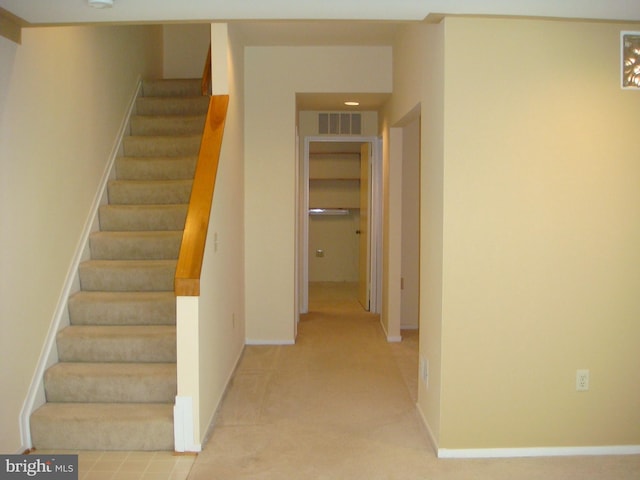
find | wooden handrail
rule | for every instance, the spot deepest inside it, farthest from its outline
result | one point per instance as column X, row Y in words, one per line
column 187, row 279
column 205, row 86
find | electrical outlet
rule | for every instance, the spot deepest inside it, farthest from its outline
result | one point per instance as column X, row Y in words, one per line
column 424, row 371
column 582, row 380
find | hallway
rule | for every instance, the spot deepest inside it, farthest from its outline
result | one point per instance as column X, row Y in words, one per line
column 334, row 405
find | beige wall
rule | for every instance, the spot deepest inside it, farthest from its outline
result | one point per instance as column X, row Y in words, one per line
column 391, row 228
column 541, row 235
column 530, row 229
column 221, row 308
column 431, row 222
column 273, row 76
column 185, row 49
column 410, row 295
column 64, row 96
column 418, row 82
column 335, row 236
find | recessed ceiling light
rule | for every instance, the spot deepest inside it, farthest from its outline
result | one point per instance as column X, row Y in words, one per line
column 352, row 103
column 100, row 3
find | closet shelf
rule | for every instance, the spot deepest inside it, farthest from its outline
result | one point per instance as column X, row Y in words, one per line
column 329, row 211
column 334, row 206
column 330, row 179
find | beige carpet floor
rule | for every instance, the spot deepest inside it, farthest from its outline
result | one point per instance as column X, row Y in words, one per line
column 340, row 404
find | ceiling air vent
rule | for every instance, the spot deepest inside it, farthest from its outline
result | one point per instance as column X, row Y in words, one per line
column 340, row 124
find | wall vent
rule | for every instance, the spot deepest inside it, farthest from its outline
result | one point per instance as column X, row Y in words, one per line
column 340, row 123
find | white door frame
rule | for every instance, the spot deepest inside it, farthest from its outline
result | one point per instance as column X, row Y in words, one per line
column 375, row 220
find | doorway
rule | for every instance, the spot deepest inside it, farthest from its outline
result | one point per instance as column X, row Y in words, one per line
column 340, row 208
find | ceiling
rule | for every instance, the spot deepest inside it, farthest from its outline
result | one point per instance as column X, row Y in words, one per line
column 312, row 22
column 335, row 101
column 137, row 11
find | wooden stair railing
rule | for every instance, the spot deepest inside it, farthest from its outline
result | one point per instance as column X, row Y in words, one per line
column 187, row 279
column 194, row 238
column 206, row 75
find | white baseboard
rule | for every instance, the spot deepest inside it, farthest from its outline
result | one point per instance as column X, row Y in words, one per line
column 254, row 342
column 390, row 338
column 525, row 452
column 183, row 433
column 538, row 451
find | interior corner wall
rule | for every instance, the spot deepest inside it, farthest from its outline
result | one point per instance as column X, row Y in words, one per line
column 418, row 76
column 541, row 234
column 64, row 96
column 273, row 76
column 185, row 49
column 392, row 224
column 410, row 265
column 221, row 306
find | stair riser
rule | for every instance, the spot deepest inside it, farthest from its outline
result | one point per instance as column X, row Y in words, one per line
column 102, row 276
column 172, row 88
column 139, row 308
column 111, row 384
column 117, row 349
column 161, row 168
column 115, row 383
column 167, row 125
column 176, row 106
column 77, row 427
column 146, row 218
column 149, row 193
column 161, row 146
column 120, row 246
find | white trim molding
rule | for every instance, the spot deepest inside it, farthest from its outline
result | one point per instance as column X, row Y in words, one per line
column 375, row 220
column 183, row 434
column 538, row 451
column 521, row 452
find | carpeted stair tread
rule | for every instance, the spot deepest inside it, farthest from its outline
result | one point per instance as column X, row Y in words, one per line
column 172, row 87
column 96, row 426
column 136, row 245
column 196, row 105
column 167, row 124
column 156, row 168
column 92, row 343
column 111, row 382
column 127, row 275
column 122, row 308
column 115, row 382
column 161, row 145
column 144, row 192
column 142, row 217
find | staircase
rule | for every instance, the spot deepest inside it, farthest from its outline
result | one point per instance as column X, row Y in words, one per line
column 115, row 384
